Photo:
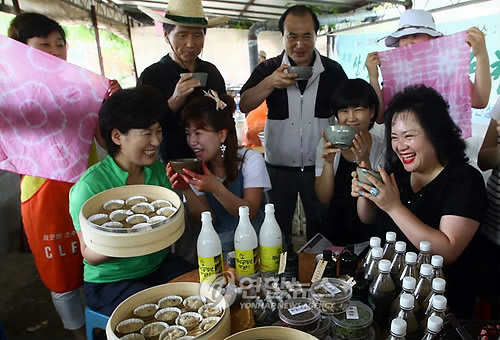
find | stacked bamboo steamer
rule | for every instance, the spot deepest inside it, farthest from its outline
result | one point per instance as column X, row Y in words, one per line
column 126, row 242
column 151, row 295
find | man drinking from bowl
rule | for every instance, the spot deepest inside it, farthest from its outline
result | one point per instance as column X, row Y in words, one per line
column 298, row 111
column 184, row 28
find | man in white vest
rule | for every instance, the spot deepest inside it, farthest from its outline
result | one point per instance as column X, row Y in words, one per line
column 298, row 111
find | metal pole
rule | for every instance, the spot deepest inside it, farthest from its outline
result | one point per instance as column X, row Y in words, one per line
column 132, row 47
column 93, row 16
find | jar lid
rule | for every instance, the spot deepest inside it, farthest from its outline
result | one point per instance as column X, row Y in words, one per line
column 331, row 290
column 348, row 321
column 298, row 312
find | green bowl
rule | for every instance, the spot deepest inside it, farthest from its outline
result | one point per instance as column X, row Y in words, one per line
column 362, row 177
column 341, row 136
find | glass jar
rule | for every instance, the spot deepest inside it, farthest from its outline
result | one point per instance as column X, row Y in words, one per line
column 354, row 323
column 299, row 314
column 331, row 296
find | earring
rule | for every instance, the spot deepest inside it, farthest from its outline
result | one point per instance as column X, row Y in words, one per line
column 223, row 149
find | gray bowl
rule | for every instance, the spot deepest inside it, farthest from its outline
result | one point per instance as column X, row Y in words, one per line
column 341, row 136
column 303, row 72
column 201, row 76
column 362, row 177
column 193, row 164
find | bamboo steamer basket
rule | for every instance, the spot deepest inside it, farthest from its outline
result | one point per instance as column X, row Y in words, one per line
column 124, row 242
column 272, row 332
column 151, row 295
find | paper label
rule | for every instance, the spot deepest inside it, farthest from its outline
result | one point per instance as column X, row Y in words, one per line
column 352, row 313
column 331, row 288
column 209, row 267
column 282, row 266
column 299, row 309
column 247, row 261
column 270, row 258
column 318, row 272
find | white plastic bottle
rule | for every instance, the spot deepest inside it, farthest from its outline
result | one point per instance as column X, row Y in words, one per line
column 209, row 249
column 270, row 244
column 246, row 247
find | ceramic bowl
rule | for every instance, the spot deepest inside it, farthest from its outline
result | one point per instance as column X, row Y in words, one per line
column 341, row 136
column 193, row 164
column 262, row 139
column 201, row 76
column 303, row 72
column 363, row 179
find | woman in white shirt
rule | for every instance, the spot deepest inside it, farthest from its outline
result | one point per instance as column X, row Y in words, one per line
column 232, row 176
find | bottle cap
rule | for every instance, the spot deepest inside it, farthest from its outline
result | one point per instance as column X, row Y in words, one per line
column 400, row 246
column 409, row 283
column 438, row 284
column 243, row 210
column 384, row 266
column 374, row 241
column 437, row 261
column 390, row 236
column 377, row 252
column 425, row 269
column 269, row 208
column 439, row 302
column 206, row 216
column 407, row 301
column 398, row 327
column 425, row 246
column 434, row 323
column 411, row 257
column 327, row 255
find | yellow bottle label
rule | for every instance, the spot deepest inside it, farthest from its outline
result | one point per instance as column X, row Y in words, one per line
column 247, row 261
column 270, row 258
column 210, row 267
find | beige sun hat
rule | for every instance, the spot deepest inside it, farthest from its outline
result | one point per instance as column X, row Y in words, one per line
column 413, row 21
column 184, row 13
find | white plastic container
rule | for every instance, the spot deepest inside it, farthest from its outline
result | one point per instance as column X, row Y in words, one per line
column 271, row 243
column 209, row 250
column 246, row 247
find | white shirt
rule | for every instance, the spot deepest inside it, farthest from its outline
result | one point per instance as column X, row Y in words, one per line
column 253, row 169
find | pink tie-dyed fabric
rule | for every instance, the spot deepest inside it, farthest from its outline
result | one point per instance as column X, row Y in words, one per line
column 48, row 113
column 442, row 64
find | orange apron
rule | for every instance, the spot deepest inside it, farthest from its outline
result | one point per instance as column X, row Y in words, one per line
column 52, row 237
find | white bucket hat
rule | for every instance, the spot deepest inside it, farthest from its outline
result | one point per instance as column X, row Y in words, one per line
column 413, row 21
column 184, row 13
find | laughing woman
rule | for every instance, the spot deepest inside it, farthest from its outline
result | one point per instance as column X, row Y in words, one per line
column 232, row 176
column 432, row 193
column 130, row 125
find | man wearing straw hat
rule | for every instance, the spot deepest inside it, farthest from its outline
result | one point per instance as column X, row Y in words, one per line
column 184, row 27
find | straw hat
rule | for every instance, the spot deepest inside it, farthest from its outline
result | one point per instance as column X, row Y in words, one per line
column 184, row 13
column 413, row 21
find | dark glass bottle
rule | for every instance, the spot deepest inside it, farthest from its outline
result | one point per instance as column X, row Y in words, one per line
column 347, row 261
column 360, row 289
column 331, row 264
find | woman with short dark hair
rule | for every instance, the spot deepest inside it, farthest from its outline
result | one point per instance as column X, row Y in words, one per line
column 432, row 193
column 232, row 176
column 130, row 124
